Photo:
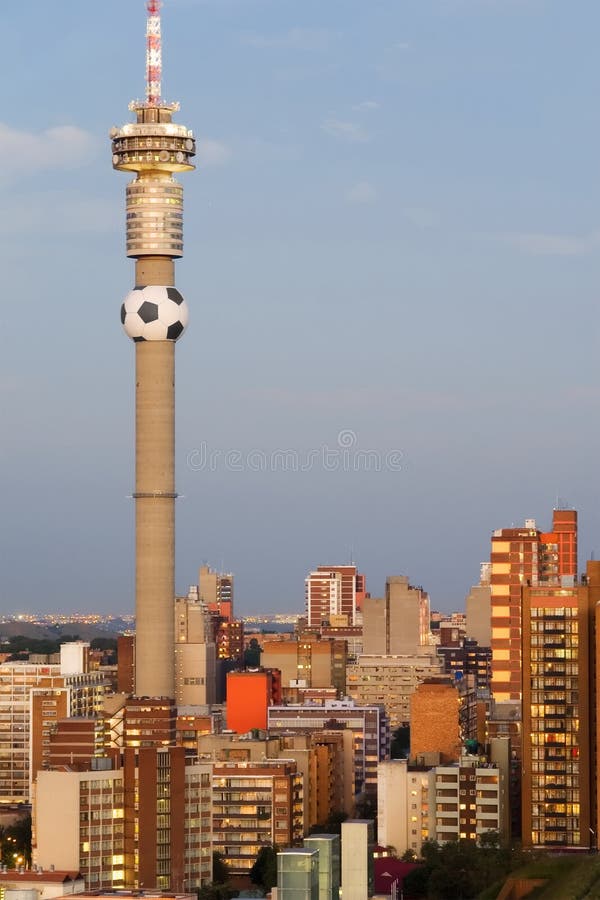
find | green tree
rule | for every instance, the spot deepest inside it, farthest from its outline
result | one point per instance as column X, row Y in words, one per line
column 400, row 746
column 215, row 892
column 333, row 825
column 489, row 839
column 15, row 841
column 102, row 643
column 416, row 883
column 366, row 807
column 252, row 654
column 264, row 870
column 220, row 869
column 461, row 869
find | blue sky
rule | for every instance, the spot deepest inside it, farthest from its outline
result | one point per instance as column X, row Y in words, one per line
column 392, row 249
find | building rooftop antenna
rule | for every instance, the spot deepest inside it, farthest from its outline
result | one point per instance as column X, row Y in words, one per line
column 153, row 54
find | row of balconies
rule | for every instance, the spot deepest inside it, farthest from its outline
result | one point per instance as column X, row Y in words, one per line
column 235, row 798
column 235, row 827
column 229, row 811
column 241, row 840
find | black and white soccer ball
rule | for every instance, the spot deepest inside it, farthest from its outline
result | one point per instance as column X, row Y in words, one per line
column 154, row 313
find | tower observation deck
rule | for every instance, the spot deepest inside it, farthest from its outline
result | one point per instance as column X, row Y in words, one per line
column 154, row 147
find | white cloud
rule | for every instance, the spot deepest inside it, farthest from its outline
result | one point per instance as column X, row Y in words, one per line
column 293, row 39
column 543, row 244
column 212, row 153
column 346, row 131
column 362, row 193
column 366, row 106
column 61, row 147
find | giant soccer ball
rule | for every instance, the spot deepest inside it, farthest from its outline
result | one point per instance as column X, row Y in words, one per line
column 154, row 313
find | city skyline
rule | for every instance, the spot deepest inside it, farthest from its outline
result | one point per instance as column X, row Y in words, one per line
column 391, row 250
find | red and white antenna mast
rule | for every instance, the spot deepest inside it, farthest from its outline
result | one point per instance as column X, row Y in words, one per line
column 153, row 54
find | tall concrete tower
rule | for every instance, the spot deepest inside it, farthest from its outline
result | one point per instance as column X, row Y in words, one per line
column 154, row 315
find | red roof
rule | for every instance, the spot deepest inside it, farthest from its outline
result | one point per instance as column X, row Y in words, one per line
column 39, row 875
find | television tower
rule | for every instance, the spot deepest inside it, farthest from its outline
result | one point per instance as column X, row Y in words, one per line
column 154, row 315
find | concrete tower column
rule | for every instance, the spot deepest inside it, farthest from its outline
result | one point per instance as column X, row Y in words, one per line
column 155, row 501
column 155, row 518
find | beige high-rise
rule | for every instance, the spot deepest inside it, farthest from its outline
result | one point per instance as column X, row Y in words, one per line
column 398, row 622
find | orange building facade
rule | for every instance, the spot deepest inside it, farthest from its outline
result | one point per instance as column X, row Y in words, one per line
column 559, row 713
column 249, row 696
column 434, row 720
column 520, row 557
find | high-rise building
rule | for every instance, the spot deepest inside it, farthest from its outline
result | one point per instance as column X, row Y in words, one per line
column 434, row 720
column 215, row 589
column 559, row 551
column 369, row 725
column 149, row 722
column 308, row 662
column 142, row 823
column 559, row 752
column 391, row 681
column 467, row 798
column 331, row 782
column 403, row 807
column 154, row 314
column 193, row 722
column 32, row 699
column 249, row 695
column 126, row 663
column 468, row 658
column 75, row 742
column 325, row 759
column 478, row 608
column 397, row 623
column 478, row 662
column 522, row 556
column 195, row 653
column 255, row 803
column 515, row 559
column 229, row 639
column 333, row 595
column 47, row 707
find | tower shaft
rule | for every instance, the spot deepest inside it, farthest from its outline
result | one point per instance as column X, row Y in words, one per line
column 155, row 518
column 155, row 502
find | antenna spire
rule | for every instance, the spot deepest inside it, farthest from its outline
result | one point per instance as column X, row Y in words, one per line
column 153, row 54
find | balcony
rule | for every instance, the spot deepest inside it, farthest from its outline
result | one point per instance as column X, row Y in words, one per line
column 236, row 828
column 241, row 840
